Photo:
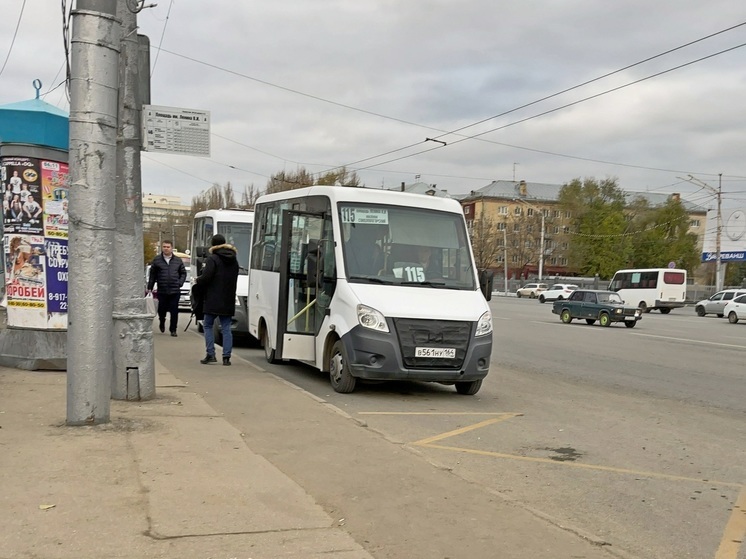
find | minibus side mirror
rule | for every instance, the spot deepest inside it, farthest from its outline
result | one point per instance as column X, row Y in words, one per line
column 486, row 278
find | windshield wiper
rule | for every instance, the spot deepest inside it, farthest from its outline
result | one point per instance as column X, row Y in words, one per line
column 427, row 283
column 371, row 279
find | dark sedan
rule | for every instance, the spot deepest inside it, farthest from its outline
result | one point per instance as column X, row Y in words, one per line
column 592, row 305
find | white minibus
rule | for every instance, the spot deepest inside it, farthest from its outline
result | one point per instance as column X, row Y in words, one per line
column 369, row 284
column 235, row 225
column 651, row 288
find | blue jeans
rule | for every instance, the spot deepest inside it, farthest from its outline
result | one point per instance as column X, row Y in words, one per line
column 225, row 328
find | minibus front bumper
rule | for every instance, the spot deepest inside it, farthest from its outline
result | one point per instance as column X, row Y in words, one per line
column 374, row 355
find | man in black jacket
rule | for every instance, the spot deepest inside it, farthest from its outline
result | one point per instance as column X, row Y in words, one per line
column 216, row 286
column 168, row 271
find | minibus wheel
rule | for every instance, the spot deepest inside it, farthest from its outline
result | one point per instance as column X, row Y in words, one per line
column 269, row 353
column 339, row 373
column 469, row 388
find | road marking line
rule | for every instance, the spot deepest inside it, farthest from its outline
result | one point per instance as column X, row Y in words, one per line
column 466, row 429
column 735, row 530
column 577, row 465
column 435, row 413
column 690, row 341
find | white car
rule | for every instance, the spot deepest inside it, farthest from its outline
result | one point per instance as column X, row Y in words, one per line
column 531, row 290
column 557, row 292
column 736, row 309
column 716, row 303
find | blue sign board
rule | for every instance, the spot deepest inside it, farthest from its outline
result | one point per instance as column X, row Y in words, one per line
column 733, row 256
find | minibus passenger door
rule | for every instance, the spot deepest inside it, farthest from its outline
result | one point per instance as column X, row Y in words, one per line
column 301, row 268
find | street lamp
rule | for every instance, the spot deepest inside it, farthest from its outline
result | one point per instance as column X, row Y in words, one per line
column 541, row 248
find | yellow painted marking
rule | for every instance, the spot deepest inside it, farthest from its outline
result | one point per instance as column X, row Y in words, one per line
column 466, row 429
column 577, row 465
column 435, row 413
column 735, row 530
column 687, row 340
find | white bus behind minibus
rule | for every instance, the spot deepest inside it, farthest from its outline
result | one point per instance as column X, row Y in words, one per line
column 235, row 226
column 651, row 288
column 369, row 284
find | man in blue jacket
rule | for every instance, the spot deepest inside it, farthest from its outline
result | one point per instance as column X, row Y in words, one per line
column 168, row 271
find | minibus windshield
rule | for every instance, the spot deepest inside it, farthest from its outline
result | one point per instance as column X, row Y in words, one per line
column 397, row 245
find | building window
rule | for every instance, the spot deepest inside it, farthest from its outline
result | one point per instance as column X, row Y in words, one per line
column 565, row 229
column 564, row 246
column 529, row 212
column 568, row 214
column 500, row 258
column 556, row 229
column 563, row 261
column 694, row 223
column 517, row 227
column 467, row 210
column 503, row 210
column 501, row 226
column 518, row 210
column 556, row 213
column 529, row 228
column 515, row 259
column 529, row 244
column 553, row 261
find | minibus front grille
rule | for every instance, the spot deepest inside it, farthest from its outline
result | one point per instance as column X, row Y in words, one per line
column 439, row 334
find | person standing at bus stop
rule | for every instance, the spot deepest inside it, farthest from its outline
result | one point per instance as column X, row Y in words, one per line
column 168, row 271
column 216, row 286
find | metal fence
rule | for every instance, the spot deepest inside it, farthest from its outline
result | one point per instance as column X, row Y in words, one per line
column 694, row 292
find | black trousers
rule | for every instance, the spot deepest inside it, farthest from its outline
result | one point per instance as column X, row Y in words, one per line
column 169, row 304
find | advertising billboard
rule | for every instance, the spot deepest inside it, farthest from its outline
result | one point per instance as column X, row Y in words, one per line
column 35, row 223
column 732, row 236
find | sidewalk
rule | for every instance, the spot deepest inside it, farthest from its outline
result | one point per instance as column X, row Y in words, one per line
column 165, row 478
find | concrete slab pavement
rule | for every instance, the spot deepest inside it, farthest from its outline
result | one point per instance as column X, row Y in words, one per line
column 165, row 478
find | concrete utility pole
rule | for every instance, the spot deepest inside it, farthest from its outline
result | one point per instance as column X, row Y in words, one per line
column 134, row 360
column 719, row 231
column 94, row 84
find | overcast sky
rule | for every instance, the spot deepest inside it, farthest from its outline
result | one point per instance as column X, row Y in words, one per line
column 364, row 83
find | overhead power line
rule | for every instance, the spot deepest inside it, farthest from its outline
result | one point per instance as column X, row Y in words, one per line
column 13, row 40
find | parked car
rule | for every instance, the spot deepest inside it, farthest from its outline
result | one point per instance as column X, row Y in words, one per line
column 557, row 292
column 716, row 303
column 736, row 309
column 593, row 304
column 531, row 290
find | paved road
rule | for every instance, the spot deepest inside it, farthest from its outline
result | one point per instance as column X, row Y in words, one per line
column 634, row 438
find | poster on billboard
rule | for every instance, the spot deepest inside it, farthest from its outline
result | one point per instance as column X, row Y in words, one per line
column 22, row 210
column 25, row 282
column 732, row 236
column 35, row 226
column 54, row 184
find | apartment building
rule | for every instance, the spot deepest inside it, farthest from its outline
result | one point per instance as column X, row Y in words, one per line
column 520, row 221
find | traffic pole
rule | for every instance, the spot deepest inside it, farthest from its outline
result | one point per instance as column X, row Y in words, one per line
column 94, row 84
column 134, row 360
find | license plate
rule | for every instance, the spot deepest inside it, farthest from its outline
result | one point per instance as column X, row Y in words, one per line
column 437, row 352
column 629, row 318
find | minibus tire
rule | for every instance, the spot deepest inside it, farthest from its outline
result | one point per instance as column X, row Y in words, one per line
column 269, row 353
column 469, row 388
column 339, row 373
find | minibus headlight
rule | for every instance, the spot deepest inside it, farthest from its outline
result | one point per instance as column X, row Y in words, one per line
column 484, row 326
column 371, row 318
column 238, row 301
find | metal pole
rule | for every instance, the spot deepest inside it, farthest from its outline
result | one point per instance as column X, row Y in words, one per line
column 94, row 84
column 541, row 255
column 505, row 259
column 718, row 272
column 134, row 361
